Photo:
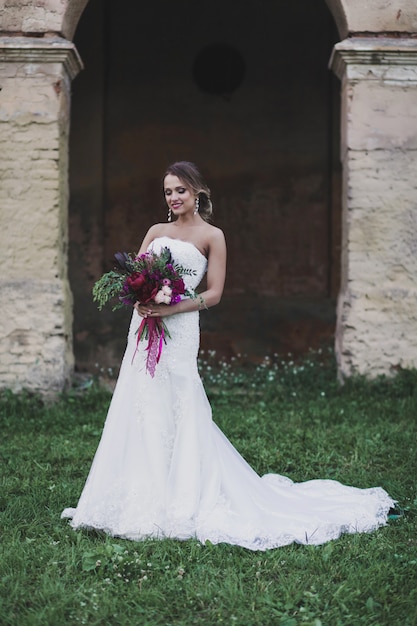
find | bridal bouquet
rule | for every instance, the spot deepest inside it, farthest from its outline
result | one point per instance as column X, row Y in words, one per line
column 150, row 277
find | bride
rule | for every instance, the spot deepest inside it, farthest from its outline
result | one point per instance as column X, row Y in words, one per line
column 163, row 468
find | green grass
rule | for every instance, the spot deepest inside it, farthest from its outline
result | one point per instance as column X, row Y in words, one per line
column 283, row 417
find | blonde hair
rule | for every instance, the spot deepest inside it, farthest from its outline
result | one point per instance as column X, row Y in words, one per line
column 189, row 174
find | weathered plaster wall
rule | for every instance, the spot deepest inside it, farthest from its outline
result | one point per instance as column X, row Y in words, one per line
column 40, row 16
column 374, row 16
column 377, row 316
column 35, row 298
column 381, row 15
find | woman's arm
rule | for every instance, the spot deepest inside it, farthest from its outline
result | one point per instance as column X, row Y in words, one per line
column 152, row 233
column 216, row 275
column 216, row 269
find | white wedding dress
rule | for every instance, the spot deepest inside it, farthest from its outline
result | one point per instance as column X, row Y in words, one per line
column 164, row 469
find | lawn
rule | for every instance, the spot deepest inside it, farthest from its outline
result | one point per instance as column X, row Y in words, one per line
column 290, row 418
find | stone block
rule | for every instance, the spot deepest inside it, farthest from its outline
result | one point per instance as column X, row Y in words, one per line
column 35, row 335
column 384, row 117
column 357, row 16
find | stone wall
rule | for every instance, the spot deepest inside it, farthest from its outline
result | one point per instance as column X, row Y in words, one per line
column 35, row 298
column 374, row 16
column 377, row 310
column 40, row 17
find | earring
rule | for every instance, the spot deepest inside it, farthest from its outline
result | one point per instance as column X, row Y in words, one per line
column 197, row 206
column 169, row 214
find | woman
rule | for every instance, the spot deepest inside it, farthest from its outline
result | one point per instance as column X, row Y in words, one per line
column 163, row 468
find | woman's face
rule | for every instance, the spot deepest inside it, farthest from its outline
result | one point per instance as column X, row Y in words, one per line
column 178, row 196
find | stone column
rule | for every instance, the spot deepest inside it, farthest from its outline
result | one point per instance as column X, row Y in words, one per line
column 377, row 309
column 35, row 297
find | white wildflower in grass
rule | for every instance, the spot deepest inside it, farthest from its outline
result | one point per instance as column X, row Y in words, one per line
column 141, row 580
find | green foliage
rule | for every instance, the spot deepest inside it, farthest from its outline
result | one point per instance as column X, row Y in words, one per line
column 152, row 265
column 285, row 417
column 108, row 287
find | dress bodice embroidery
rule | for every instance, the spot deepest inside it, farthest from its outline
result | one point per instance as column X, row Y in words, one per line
column 186, row 254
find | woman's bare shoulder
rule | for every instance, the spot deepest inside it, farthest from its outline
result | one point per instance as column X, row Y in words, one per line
column 214, row 234
column 158, row 230
column 155, row 231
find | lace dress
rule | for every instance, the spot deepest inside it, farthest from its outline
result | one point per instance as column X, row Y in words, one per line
column 164, row 469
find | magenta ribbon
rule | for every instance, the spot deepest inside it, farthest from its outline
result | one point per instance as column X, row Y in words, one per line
column 161, row 341
column 154, row 347
column 139, row 334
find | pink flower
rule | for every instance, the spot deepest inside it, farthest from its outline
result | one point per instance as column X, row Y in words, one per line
column 166, row 281
column 166, row 290
column 162, row 298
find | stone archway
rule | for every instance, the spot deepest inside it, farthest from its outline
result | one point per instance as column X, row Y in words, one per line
column 377, row 322
column 71, row 17
column 46, row 18
column 353, row 17
column 337, row 9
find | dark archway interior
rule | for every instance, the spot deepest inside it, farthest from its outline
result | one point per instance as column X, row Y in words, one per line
column 242, row 89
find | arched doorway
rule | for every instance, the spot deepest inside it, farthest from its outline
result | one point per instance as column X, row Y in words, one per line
column 268, row 146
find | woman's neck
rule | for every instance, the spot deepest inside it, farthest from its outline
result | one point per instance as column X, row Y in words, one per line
column 187, row 221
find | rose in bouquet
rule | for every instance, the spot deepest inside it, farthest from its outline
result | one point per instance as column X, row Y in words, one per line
column 149, row 277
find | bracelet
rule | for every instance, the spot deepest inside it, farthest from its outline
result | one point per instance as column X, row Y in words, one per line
column 202, row 303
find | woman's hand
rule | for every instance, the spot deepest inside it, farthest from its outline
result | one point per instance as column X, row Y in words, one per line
column 153, row 310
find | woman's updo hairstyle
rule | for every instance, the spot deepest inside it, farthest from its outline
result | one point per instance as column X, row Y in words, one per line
column 188, row 174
